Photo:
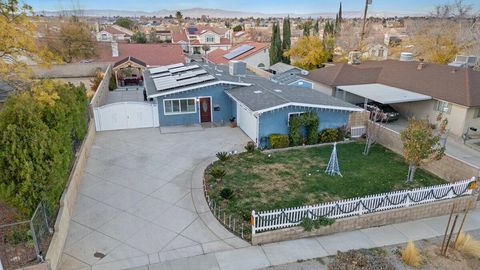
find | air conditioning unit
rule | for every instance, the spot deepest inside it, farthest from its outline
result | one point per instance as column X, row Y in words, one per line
column 237, row 68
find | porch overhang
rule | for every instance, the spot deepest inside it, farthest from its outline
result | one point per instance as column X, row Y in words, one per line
column 383, row 93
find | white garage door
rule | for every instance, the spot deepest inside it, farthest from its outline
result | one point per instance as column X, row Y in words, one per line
column 247, row 122
column 126, row 115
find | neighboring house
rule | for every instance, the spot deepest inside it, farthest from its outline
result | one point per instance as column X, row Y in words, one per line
column 253, row 54
column 199, row 39
column 113, row 33
column 289, row 75
column 196, row 94
column 163, row 35
column 150, row 54
column 415, row 89
column 377, row 52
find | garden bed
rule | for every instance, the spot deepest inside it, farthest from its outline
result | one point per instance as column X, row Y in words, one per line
column 267, row 181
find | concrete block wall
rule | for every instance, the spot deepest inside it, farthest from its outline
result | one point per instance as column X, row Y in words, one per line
column 100, row 97
column 68, row 70
column 67, row 201
column 449, row 168
column 357, row 119
column 368, row 220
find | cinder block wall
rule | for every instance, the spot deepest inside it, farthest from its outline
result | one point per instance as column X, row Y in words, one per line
column 358, row 119
column 67, row 201
column 448, row 168
column 367, row 220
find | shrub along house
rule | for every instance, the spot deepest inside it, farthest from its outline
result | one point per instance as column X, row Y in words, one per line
column 197, row 94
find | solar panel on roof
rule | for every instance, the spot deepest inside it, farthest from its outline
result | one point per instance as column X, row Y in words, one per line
column 240, row 50
column 190, row 74
column 166, row 86
column 175, row 65
column 159, row 75
column 192, row 30
column 158, row 70
column 185, row 68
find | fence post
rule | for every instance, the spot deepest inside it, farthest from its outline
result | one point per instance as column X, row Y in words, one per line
column 360, row 207
column 34, row 237
column 252, row 222
column 407, row 202
column 47, row 226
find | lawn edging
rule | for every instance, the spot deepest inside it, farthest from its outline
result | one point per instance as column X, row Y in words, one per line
column 368, row 220
column 67, row 201
column 306, row 146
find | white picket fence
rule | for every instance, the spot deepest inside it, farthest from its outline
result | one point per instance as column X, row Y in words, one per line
column 357, row 131
column 289, row 217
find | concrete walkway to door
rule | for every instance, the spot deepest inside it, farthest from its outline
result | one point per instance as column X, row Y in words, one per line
column 137, row 204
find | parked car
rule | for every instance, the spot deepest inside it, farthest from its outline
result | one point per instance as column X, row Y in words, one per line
column 386, row 112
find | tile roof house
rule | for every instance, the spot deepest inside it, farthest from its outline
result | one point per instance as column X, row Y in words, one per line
column 255, row 54
column 114, row 33
column 149, row 53
column 197, row 40
column 206, row 93
column 451, row 90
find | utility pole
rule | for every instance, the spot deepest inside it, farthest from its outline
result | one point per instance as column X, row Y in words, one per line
column 367, row 2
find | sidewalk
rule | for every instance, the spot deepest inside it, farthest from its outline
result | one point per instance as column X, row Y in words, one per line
column 280, row 253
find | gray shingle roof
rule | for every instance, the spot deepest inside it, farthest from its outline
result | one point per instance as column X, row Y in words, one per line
column 262, row 94
column 265, row 94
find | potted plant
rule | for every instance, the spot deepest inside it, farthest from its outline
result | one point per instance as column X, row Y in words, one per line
column 233, row 123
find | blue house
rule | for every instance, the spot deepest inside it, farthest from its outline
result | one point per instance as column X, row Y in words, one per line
column 204, row 93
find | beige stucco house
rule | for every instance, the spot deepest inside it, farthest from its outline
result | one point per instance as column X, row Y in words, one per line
column 414, row 89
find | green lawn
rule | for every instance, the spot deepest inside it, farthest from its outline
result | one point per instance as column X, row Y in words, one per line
column 296, row 177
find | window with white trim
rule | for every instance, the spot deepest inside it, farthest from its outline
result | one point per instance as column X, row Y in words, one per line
column 210, row 39
column 443, row 107
column 293, row 114
column 178, row 106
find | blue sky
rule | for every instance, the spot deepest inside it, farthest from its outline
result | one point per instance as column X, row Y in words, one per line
column 265, row 6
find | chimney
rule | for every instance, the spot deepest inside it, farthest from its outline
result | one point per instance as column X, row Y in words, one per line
column 114, row 49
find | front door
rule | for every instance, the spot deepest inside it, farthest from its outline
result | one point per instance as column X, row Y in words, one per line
column 205, row 110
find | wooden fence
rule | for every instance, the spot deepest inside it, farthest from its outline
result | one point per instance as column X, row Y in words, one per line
column 289, row 217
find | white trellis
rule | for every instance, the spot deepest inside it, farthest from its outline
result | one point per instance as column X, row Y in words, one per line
column 332, row 167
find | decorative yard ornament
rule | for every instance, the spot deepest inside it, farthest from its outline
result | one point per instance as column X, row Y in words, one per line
column 332, row 167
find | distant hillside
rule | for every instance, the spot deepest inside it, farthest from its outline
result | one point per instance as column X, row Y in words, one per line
column 215, row 13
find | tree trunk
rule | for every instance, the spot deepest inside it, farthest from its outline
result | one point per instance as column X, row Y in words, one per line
column 368, row 145
column 411, row 172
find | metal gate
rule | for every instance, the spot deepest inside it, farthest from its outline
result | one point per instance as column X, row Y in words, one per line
column 126, row 115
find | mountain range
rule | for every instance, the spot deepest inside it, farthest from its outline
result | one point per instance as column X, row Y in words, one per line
column 215, row 13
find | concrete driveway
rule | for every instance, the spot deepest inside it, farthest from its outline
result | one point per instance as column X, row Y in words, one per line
column 141, row 201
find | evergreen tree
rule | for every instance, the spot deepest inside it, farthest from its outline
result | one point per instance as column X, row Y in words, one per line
column 336, row 23
column 340, row 16
column 306, row 30
column 275, row 45
column 286, row 43
column 315, row 28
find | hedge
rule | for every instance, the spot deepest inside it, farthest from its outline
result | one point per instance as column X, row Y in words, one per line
column 38, row 131
column 328, row 135
column 278, row 141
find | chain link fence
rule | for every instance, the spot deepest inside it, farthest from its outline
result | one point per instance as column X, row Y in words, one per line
column 24, row 243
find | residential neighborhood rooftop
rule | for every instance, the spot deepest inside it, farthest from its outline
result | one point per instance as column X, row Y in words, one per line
column 151, row 54
column 255, row 92
column 452, row 84
column 238, row 52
